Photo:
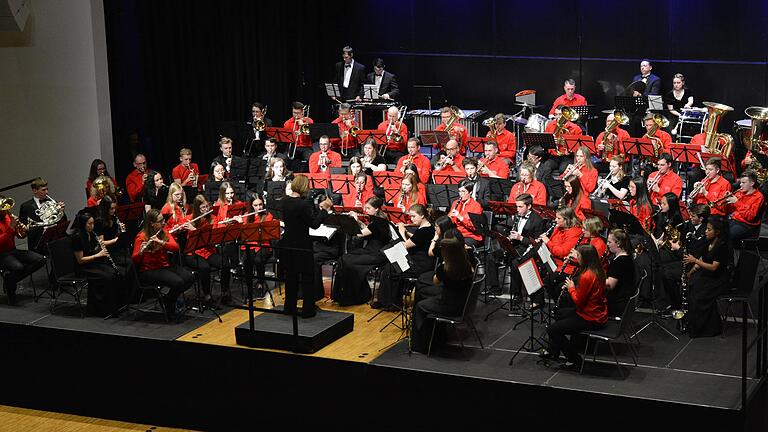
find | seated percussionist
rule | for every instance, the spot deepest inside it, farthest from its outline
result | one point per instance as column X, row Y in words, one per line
column 323, row 160
column 664, row 180
column 712, row 189
column 396, row 133
column 450, row 122
column 528, row 185
column 504, row 138
column 414, row 157
column 302, row 140
column 569, row 98
column 744, row 209
column 450, row 160
column 492, row 165
column 345, row 121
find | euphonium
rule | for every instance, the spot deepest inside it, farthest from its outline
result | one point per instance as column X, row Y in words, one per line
column 659, row 121
column 716, row 112
column 619, row 118
column 567, row 114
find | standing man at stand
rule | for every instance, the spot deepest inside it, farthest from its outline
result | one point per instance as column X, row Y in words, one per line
column 350, row 76
column 652, row 82
column 384, row 81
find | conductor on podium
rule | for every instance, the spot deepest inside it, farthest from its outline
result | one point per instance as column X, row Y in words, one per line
column 350, row 76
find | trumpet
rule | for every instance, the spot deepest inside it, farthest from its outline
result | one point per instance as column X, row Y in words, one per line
column 570, row 169
column 654, row 181
column 480, row 165
column 323, row 161
column 443, row 162
column 697, row 189
column 718, row 201
column 602, row 187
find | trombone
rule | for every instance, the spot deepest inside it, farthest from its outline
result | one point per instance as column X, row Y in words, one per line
column 298, row 130
column 259, row 124
column 393, row 129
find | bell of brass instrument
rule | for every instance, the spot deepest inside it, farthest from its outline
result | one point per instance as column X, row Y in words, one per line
column 568, row 114
column 6, row 203
column 354, row 130
column 619, row 118
column 716, row 112
column 323, row 161
column 304, row 129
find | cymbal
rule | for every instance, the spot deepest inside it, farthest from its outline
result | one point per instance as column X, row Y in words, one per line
column 525, row 93
column 527, row 105
column 521, row 120
column 608, row 111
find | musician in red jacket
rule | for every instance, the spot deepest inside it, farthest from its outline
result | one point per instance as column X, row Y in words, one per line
column 393, row 128
column 150, row 255
column 569, row 98
column 322, row 161
column 359, row 194
column 303, row 141
column 415, row 157
column 493, row 165
column 17, row 264
column 187, row 172
column 586, row 291
column 639, row 203
column 504, row 138
column 575, row 197
column 345, row 121
column 567, row 234
column 451, row 123
column 569, row 128
column 664, row 180
column 712, row 188
column 744, row 207
column 134, row 182
column 528, row 185
column 614, row 140
column 460, row 211
column 583, row 169
column 660, row 139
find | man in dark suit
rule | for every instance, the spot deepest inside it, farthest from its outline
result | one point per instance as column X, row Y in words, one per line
column 545, row 172
column 27, row 213
column 386, row 82
column 652, row 82
column 481, row 191
column 234, row 165
column 350, row 76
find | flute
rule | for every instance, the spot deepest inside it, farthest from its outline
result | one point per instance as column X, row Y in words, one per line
column 149, row 241
column 234, row 218
column 180, row 226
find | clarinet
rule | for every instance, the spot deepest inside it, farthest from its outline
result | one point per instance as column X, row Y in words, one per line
column 560, row 274
column 111, row 261
column 681, row 315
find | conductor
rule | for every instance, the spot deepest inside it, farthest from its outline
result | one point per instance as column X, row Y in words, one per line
column 298, row 216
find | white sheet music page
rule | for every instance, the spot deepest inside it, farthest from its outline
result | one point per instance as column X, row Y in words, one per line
column 398, row 254
column 546, row 257
column 530, row 274
column 324, row 231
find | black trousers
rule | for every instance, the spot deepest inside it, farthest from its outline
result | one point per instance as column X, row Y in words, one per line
column 569, row 323
column 205, row 266
column 175, row 277
column 19, row 264
column 298, row 273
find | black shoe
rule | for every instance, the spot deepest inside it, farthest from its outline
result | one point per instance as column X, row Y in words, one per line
column 308, row 313
column 573, row 363
column 546, row 355
column 376, row 305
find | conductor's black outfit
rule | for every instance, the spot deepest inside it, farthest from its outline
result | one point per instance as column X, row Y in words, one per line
column 297, row 258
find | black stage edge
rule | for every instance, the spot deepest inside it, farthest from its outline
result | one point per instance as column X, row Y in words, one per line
column 275, row 331
column 207, row 387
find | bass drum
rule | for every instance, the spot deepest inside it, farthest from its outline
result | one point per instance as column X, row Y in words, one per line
column 536, row 123
column 743, row 130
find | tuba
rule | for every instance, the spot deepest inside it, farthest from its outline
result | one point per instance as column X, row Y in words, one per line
column 716, row 112
column 756, row 140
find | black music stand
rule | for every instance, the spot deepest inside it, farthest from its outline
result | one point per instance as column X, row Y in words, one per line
column 442, row 195
column 586, row 113
column 509, row 250
column 545, row 140
column 632, row 104
column 428, row 90
column 346, row 223
column 275, row 191
column 197, row 239
column 499, row 188
column 544, row 211
column 529, row 345
column 131, row 215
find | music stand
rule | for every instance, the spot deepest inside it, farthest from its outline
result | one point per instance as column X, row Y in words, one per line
column 442, row 195
column 434, row 139
column 529, row 344
column 544, row 211
column 545, row 140
column 503, row 208
column 631, row 104
column 641, row 147
column 379, row 137
column 386, row 178
column 477, row 144
column 396, row 215
column 574, row 142
column 427, row 89
column 448, row 177
column 499, row 188
column 684, row 153
column 586, row 113
column 725, row 163
column 318, row 180
column 51, row 233
column 509, row 248
column 341, row 183
column 259, row 233
column 198, row 239
column 370, row 91
column 333, row 92
column 345, row 222
column 274, row 193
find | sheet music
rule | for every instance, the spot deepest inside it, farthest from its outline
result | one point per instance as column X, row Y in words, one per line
column 530, row 276
column 332, row 89
column 324, row 231
column 398, row 254
column 546, row 257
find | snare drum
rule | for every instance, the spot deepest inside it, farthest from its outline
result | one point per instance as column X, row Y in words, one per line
column 536, row 123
